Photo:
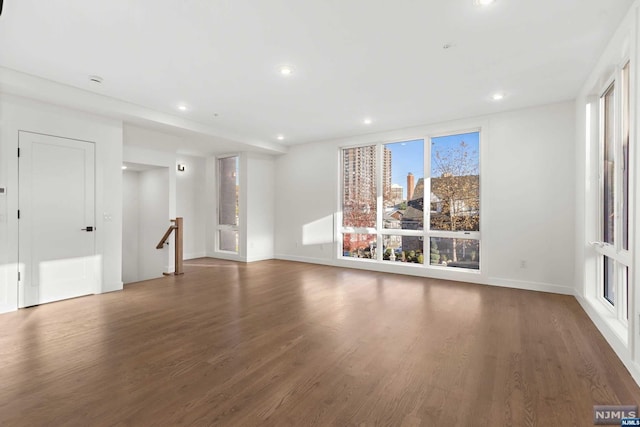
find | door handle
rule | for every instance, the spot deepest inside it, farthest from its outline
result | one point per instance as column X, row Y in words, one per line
column 88, row 229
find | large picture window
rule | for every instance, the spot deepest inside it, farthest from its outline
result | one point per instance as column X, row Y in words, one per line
column 417, row 200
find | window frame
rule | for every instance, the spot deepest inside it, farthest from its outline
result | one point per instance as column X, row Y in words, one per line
column 380, row 232
column 228, row 227
column 621, row 258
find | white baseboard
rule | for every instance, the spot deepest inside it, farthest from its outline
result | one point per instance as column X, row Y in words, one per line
column 112, row 287
column 228, row 257
column 194, row 255
column 466, row 276
column 304, row 259
column 259, row 258
column 6, row 308
column 530, row 286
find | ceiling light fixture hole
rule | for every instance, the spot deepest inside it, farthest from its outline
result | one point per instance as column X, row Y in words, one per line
column 285, row 70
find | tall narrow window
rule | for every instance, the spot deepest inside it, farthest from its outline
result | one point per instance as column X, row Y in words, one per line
column 625, row 156
column 615, row 195
column 455, row 200
column 403, row 200
column 403, row 185
column 608, row 195
column 228, row 204
column 359, row 201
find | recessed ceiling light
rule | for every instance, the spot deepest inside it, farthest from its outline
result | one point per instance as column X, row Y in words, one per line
column 367, row 121
column 280, row 137
column 123, row 167
column 497, row 96
column 96, row 79
column 182, row 107
column 286, row 70
column 483, row 2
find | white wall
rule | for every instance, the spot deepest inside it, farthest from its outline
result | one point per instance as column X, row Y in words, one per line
column 527, row 199
column 191, row 204
column 306, row 199
column 21, row 114
column 260, row 199
column 529, row 196
column 130, row 225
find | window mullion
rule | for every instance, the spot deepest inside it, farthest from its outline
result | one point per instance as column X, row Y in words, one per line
column 427, row 196
column 617, row 150
column 379, row 197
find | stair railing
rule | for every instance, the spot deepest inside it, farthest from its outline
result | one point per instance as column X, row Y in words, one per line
column 177, row 226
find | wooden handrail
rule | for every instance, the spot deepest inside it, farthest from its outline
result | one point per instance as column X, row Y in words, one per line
column 165, row 237
column 177, row 226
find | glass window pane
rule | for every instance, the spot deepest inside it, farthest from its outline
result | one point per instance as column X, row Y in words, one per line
column 403, row 185
column 403, row 249
column 456, row 253
column 626, row 288
column 455, row 182
column 609, row 283
column 228, row 240
column 359, row 192
column 228, row 198
column 359, row 245
column 625, row 156
column 609, row 166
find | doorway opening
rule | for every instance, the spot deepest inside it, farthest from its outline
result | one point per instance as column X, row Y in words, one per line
column 145, row 216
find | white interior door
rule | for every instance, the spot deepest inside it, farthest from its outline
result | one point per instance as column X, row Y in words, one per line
column 57, row 219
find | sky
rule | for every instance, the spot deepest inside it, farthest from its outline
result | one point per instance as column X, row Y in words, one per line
column 408, row 156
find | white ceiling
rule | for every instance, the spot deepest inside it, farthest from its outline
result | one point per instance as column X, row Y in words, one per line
column 351, row 59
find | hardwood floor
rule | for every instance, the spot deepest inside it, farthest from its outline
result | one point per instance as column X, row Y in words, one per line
column 279, row 343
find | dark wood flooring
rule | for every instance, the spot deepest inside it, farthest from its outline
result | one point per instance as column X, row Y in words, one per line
column 279, row 343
